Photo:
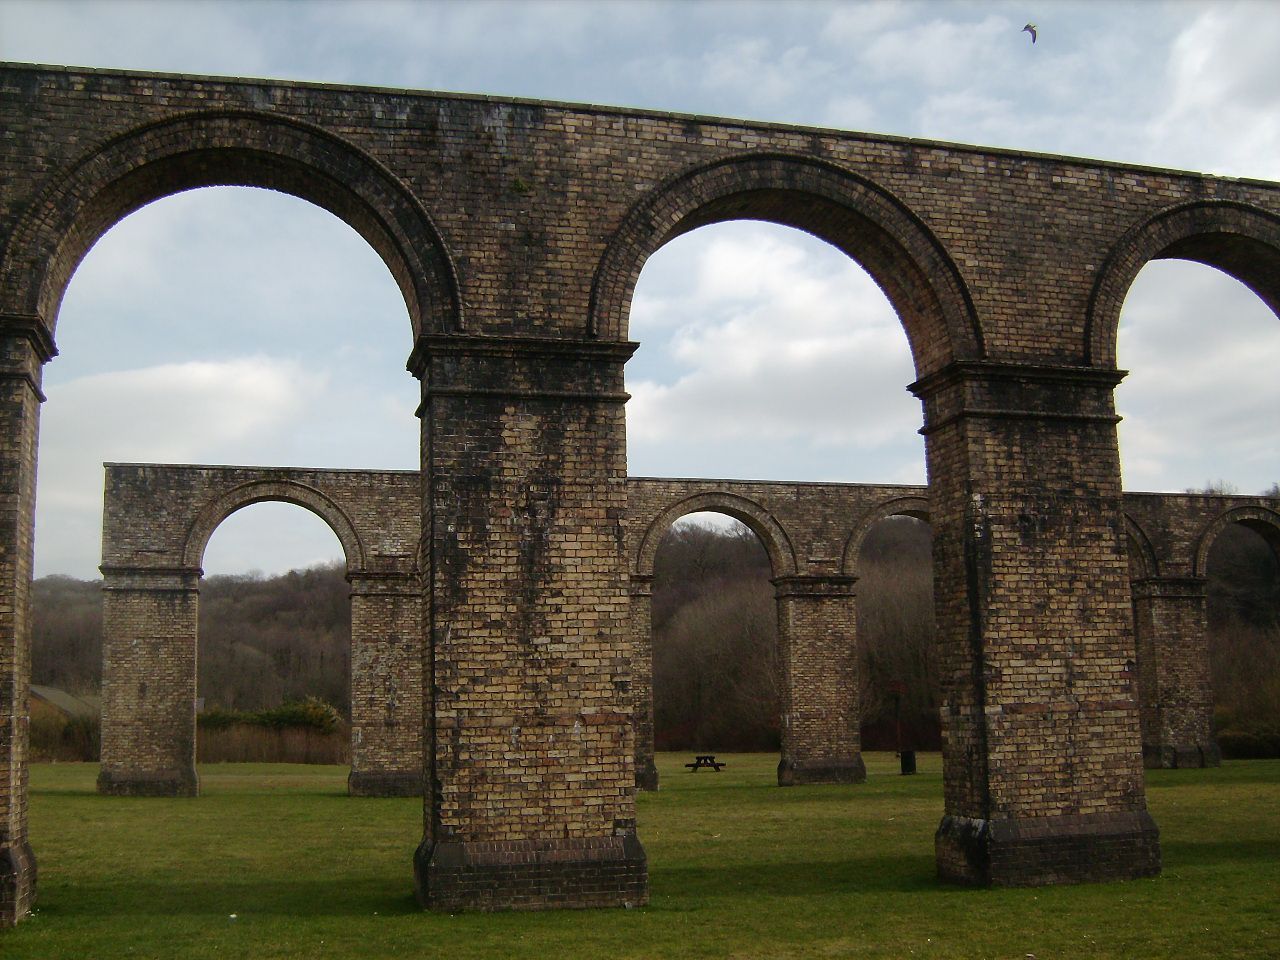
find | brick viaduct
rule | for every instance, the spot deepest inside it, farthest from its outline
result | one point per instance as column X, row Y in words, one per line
column 158, row 519
column 516, row 231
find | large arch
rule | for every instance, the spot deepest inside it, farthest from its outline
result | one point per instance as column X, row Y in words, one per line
column 859, row 217
column 225, row 148
column 989, row 257
column 1237, row 238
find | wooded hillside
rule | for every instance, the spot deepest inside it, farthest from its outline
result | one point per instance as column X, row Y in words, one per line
column 263, row 640
column 268, row 640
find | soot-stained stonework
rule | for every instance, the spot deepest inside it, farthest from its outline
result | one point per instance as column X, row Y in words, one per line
column 515, row 230
column 157, row 520
column 811, row 532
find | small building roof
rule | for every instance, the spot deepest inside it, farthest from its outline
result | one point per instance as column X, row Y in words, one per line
column 68, row 703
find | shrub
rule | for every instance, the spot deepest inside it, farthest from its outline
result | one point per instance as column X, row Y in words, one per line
column 312, row 714
column 1249, row 745
column 65, row 738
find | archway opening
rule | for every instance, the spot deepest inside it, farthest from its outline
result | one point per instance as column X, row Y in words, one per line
column 1243, row 627
column 897, row 652
column 715, row 646
column 222, row 325
column 219, row 325
column 769, row 353
column 1200, row 339
column 274, row 634
column 1197, row 405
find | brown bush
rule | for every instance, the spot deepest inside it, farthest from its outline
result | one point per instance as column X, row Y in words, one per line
column 57, row 738
column 1244, row 642
column 896, row 637
column 716, row 669
column 250, row 743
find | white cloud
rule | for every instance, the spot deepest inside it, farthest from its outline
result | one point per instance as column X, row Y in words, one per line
column 1200, row 399
column 177, row 410
column 781, row 351
column 1223, row 108
column 940, row 52
column 237, row 411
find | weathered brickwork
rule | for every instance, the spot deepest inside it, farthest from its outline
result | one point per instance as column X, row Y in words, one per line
column 1170, row 537
column 812, row 534
column 529, row 669
column 818, row 529
column 814, row 528
column 157, row 520
column 25, row 346
column 149, row 682
column 516, row 230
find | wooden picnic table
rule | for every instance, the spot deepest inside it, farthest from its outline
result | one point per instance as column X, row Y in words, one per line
column 701, row 760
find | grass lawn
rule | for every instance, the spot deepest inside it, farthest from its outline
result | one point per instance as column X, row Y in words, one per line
column 276, row 861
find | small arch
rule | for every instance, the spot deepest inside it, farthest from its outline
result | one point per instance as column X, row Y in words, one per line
column 852, row 213
column 1261, row 520
column 782, row 558
column 916, row 507
column 1239, row 239
column 1141, row 553
column 302, row 495
column 226, row 148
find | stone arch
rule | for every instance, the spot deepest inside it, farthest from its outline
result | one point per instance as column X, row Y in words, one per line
column 782, row 557
column 1261, row 520
column 917, row 507
column 226, row 148
column 1141, row 553
column 859, row 217
column 302, row 495
column 1239, row 239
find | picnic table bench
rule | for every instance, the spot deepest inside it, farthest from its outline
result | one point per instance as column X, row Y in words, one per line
column 704, row 760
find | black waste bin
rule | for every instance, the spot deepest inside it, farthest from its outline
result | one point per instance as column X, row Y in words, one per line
column 908, row 761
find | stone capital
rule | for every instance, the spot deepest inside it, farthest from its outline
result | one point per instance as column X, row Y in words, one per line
column 995, row 390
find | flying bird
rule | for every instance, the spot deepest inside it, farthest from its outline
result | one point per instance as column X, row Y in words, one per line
column 1031, row 29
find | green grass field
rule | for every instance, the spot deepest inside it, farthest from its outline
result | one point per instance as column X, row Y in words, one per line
column 276, row 861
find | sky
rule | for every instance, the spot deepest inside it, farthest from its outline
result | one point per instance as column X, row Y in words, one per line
column 241, row 326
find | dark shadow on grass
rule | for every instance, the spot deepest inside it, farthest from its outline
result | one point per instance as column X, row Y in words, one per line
column 1231, row 772
column 64, row 792
column 289, row 898
column 1187, row 853
column 815, row 878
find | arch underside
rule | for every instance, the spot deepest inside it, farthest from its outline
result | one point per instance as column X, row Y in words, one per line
column 217, row 510
column 227, row 149
column 1262, row 521
column 1242, row 241
column 915, row 507
column 861, row 219
column 1142, row 555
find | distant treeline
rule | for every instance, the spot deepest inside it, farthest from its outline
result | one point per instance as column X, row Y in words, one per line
column 266, row 641
column 716, row 671
column 1244, row 643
